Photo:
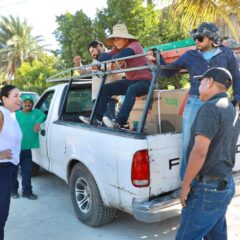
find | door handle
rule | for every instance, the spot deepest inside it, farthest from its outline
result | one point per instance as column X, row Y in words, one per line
column 43, row 132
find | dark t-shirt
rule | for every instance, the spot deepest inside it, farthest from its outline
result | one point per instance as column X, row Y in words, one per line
column 218, row 120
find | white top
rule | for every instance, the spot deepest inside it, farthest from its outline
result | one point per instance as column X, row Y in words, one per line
column 10, row 136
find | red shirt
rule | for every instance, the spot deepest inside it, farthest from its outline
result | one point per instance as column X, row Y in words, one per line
column 144, row 74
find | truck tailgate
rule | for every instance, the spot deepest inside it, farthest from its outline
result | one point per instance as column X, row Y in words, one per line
column 164, row 153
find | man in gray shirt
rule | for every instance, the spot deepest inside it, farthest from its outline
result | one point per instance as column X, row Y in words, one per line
column 208, row 186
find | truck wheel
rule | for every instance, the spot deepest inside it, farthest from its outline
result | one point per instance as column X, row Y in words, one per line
column 86, row 198
column 35, row 169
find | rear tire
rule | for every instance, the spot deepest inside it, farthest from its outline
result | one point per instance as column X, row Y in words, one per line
column 86, row 198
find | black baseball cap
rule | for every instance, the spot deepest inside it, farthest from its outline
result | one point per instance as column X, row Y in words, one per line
column 218, row 74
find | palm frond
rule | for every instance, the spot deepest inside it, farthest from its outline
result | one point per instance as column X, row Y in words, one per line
column 193, row 12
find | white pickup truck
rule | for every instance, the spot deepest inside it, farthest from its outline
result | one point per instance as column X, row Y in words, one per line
column 108, row 169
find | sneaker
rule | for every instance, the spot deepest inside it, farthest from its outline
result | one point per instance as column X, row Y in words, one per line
column 113, row 124
column 14, row 195
column 84, row 119
column 30, row 196
column 110, row 123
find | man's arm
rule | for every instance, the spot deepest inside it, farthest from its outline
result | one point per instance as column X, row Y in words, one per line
column 77, row 63
column 180, row 63
column 41, row 116
column 196, row 160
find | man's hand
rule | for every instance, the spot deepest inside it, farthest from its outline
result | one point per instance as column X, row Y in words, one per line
column 95, row 67
column 37, row 127
column 6, row 154
column 122, row 64
column 184, row 194
column 151, row 58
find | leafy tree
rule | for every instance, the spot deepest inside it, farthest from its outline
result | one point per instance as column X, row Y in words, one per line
column 17, row 44
column 32, row 76
column 142, row 22
column 74, row 33
column 170, row 28
column 194, row 12
column 2, row 77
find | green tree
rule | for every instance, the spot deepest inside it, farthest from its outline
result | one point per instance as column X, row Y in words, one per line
column 170, row 27
column 17, row 43
column 142, row 22
column 32, row 76
column 194, row 12
column 74, row 33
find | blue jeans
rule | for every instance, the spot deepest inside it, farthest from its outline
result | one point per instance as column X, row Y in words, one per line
column 26, row 169
column 111, row 108
column 189, row 115
column 131, row 90
column 204, row 215
column 7, row 171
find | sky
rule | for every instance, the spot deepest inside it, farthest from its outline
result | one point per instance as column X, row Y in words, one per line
column 41, row 14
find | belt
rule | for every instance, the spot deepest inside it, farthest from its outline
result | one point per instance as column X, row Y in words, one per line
column 207, row 179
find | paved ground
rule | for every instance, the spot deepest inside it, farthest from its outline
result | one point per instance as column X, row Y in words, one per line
column 52, row 217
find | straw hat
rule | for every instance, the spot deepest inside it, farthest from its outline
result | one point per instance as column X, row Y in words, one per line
column 119, row 31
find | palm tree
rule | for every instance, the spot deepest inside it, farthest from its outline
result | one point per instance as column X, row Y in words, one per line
column 195, row 11
column 17, row 44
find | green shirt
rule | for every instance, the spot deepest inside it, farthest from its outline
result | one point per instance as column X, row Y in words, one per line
column 27, row 121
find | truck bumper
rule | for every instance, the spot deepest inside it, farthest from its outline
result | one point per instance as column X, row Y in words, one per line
column 158, row 209
column 163, row 207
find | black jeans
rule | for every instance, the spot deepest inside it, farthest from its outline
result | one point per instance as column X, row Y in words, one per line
column 7, row 171
column 26, row 168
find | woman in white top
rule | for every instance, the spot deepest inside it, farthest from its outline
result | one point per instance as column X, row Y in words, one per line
column 10, row 144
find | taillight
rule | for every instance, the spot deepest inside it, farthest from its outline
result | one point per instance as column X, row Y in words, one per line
column 140, row 169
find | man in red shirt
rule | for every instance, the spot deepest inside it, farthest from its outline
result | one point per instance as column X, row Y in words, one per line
column 136, row 83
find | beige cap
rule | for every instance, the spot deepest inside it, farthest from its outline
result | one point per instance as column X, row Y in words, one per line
column 119, row 31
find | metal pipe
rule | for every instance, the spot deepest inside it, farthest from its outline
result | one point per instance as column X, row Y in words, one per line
column 155, row 73
column 101, row 73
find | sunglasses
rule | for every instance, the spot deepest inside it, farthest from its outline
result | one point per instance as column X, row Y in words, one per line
column 200, row 38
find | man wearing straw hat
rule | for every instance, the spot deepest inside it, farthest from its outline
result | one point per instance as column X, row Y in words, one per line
column 136, row 83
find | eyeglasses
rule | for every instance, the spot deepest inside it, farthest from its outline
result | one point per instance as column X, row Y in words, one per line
column 200, row 38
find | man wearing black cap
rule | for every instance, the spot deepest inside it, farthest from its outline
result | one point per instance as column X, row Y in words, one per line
column 208, row 185
column 209, row 53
